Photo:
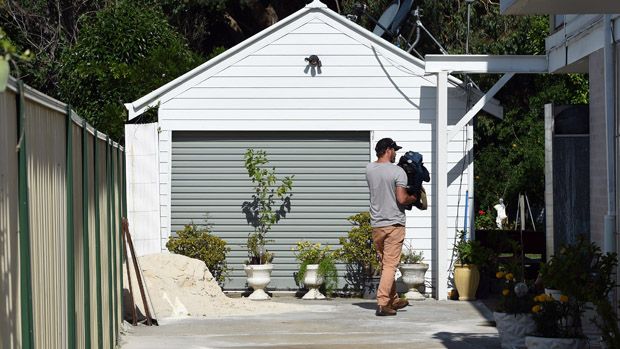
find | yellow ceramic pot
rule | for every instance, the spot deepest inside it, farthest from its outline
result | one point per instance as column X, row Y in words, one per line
column 466, row 279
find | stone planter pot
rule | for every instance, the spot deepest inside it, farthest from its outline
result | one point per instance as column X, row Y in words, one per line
column 555, row 294
column 413, row 277
column 466, row 279
column 259, row 276
column 532, row 342
column 313, row 281
column 513, row 328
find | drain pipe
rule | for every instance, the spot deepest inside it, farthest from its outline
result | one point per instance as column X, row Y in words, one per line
column 609, row 242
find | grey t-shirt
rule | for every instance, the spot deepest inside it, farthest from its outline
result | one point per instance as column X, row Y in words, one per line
column 383, row 178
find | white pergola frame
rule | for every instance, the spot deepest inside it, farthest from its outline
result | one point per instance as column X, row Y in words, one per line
column 442, row 66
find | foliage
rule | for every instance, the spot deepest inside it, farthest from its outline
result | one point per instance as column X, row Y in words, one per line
column 485, row 220
column 123, row 52
column 261, row 212
column 410, row 256
column 584, row 273
column 309, row 253
column 517, row 297
column 472, row 252
column 201, row 244
column 557, row 318
column 359, row 253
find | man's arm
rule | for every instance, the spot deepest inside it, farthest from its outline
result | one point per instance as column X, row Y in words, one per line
column 403, row 197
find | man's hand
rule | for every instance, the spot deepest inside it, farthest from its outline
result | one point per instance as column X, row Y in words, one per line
column 403, row 197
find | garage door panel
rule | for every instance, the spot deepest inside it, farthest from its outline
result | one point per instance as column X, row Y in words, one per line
column 210, row 183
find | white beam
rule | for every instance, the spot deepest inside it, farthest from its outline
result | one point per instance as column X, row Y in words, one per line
column 486, row 64
column 478, row 106
column 440, row 192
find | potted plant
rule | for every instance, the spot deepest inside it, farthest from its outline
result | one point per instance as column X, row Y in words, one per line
column 317, row 267
column 261, row 214
column 413, row 271
column 470, row 256
column 585, row 276
column 558, row 323
column 360, row 255
column 513, row 317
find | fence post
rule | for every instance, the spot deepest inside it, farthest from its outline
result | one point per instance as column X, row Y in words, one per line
column 85, row 236
column 98, row 243
column 113, row 228
column 123, row 214
column 24, row 225
column 119, row 216
column 70, row 232
column 109, row 239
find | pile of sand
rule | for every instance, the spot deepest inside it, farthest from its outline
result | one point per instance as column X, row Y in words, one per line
column 179, row 286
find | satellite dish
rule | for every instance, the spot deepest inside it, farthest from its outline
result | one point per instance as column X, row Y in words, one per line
column 401, row 16
column 386, row 18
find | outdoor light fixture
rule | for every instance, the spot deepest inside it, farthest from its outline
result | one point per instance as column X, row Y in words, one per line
column 313, row 61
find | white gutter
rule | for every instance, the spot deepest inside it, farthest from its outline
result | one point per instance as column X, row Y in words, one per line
column 609, row 242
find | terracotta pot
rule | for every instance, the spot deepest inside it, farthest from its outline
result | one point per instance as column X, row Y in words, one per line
column 513, row 328
column 259, row 276
column 313, row 281
column 532, row 342
column 466, row 279
column 413, row 277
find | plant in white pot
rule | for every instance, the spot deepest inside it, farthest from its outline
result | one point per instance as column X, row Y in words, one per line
column 317, row 267
column 413, row 272
column 261, row 214
column 513, row 315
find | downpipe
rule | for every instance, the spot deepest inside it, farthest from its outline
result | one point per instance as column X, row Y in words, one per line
column 609, row 242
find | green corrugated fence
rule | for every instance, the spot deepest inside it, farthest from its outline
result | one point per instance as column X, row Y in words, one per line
column 62, row 195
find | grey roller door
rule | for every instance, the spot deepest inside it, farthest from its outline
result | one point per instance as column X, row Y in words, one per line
column 209, row 181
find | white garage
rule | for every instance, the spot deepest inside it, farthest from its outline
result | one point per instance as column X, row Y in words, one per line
column 318, row 123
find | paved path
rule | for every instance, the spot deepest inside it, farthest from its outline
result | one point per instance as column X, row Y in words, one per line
column 339, row 323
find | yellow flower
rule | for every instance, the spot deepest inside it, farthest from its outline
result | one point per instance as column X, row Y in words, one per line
column 540, row 298
column 547, row 298
column 500, row 274
column 505, row 292
column 509, row 276
column 536, row 308
column 563, row 298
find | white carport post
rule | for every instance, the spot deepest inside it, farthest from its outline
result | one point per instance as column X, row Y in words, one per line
column 442, row 65
column 440, row 197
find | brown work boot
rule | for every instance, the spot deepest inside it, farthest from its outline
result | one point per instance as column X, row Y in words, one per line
column 384, row 310
column 399, row 304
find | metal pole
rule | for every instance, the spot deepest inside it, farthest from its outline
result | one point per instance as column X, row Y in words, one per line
column 114, row 229
column 109, row 242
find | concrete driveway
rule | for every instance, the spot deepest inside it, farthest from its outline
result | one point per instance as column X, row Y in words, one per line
column 337, row 323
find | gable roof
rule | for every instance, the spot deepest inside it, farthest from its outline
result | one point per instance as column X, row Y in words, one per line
column 312, row 11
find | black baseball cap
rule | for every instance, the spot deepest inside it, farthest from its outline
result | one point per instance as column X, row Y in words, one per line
column 385, row 143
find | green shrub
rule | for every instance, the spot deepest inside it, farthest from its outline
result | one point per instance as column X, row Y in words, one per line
column 201, row 244
column 359, row 253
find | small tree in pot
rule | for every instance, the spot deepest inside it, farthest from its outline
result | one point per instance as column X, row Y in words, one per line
column 261, row 214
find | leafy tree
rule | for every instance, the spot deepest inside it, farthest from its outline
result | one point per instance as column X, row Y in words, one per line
column 122, row 53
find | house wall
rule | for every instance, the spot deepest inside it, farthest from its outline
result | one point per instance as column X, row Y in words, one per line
column 361, row 86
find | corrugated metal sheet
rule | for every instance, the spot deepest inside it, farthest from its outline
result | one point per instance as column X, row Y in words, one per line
column 209, row 181
column 45, row 134
column 9, row 244
column 46, row 154
column 103, row 240
column 78, row 231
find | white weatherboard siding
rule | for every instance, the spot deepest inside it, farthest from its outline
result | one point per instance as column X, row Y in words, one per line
column 364, row 84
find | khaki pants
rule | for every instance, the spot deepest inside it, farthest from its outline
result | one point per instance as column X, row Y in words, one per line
column 389, row 243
